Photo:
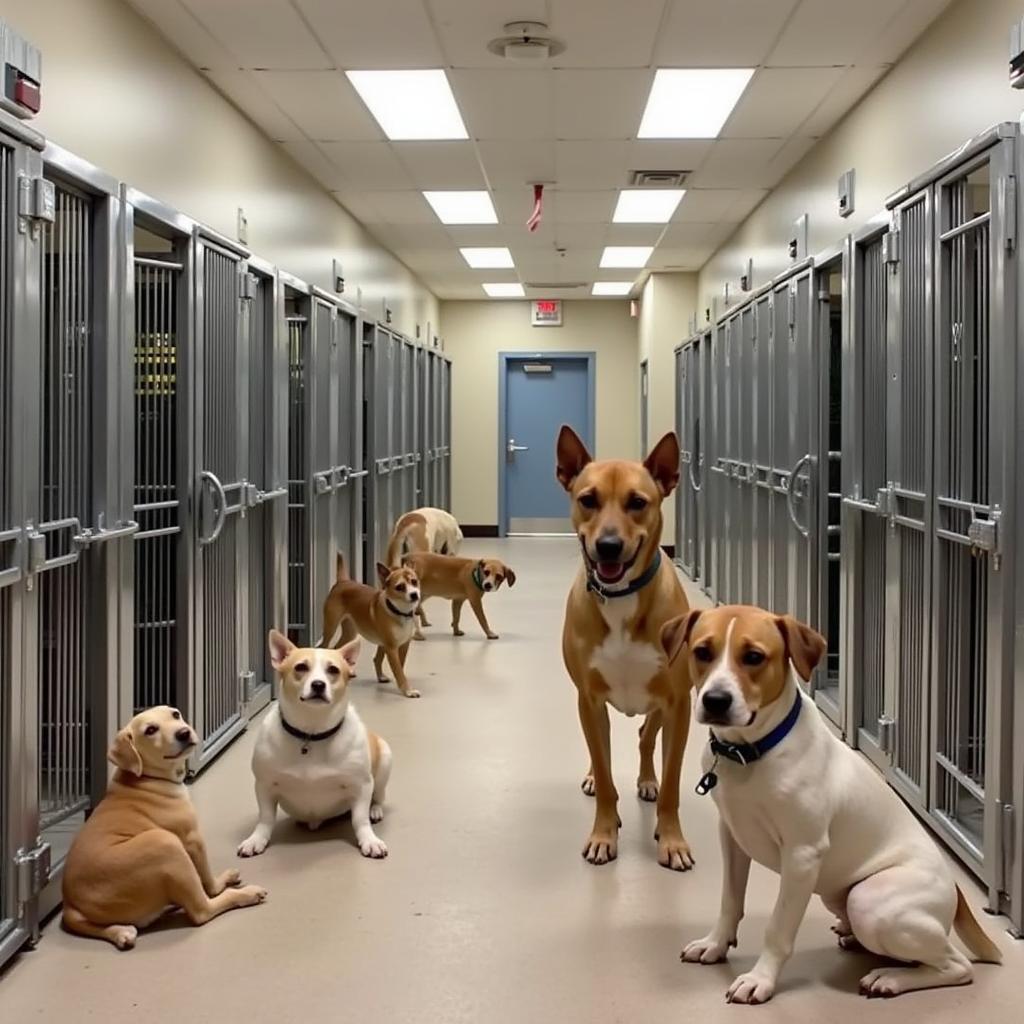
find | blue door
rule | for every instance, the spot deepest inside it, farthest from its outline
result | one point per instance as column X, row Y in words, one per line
column 540, row 395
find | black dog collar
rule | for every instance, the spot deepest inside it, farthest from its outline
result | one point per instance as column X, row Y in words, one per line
column 309, row 737
column 398, row 611
column 595, row 586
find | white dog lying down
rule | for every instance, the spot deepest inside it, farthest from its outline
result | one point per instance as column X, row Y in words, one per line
column 313, row 755
column 794, row 798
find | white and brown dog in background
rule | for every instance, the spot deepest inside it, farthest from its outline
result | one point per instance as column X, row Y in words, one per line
column 623, row 595
column 313, row 756
column 794, row 798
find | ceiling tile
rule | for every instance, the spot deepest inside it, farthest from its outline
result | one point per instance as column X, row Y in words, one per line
column 778, row 100
column 514, row 206
column 701, row 205
column 668, row 154
column 690, row 258
column 516, row 164
column 906, row 26
column 606, row 33
column 245, row 91
column 437, row 165
column 634, row 234
column 370, row 165
column 854, row 84
column 738, row 163
column 437, row 261
column 272, row 38
column 363, row 35
column 720, row 33
column 622, row 94
column 592, row 165
column 322, row 104
column 408, row 237
column 834, row 31
column 400, row 207
column 180, row 27
column 581, row 236
column 505, row 103
column 585, row 207
column 308, row 155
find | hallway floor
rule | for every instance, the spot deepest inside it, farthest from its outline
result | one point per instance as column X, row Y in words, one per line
column 484, row 911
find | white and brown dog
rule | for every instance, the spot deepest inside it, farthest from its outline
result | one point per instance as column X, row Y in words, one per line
column 313, row 756
column 623, row 594
column 794, row 798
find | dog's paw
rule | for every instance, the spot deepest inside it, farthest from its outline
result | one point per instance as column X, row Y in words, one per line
column 712, row 949
column 418, row 636
column 229, row 879
column 647, row 789
column 124, row 936
column 674, row 853
column 601, row 848
column 253, row 846
column 383, row 679
column 376, row 813
column 373, row 847
column 492, row 636
column 412, row 693
column 251, row 895
column 588, row 785
column 751, row 988
column 458, row 632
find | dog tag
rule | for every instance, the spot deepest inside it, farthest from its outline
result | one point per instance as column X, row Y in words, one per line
column 304, row 749
column 707, row 782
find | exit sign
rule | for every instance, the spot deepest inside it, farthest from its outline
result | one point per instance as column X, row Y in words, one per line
column 546, row 313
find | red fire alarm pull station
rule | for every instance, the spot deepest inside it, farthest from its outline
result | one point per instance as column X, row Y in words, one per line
column 20, row 87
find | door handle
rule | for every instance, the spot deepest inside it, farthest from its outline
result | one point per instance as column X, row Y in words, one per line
column 220, row 506
column 511, row 448
column 790, row 489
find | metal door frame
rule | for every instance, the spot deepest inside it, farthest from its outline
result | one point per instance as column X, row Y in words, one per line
column 504, row 358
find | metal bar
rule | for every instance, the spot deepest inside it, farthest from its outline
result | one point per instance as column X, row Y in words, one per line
column 145, row 261
column 962, row 229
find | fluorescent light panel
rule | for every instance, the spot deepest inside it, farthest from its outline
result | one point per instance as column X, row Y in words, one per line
column 612, row 288
column 462, row 207
column 505, row 290
column 692, row 103
column 647, row 206
column 626, row 256
column 488, row 258
column 410, row 105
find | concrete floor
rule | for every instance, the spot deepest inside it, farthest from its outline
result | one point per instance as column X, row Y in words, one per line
column 484, row 911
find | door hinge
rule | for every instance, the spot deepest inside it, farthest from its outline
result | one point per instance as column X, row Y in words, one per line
column 32, row 871
column 886, row 734
column 984, row 536
column 1008, row 205
column 1004, row 824
column 891, row 247
column 246, row 686
column 247, row 286
column 37, row 203
column 792, row 306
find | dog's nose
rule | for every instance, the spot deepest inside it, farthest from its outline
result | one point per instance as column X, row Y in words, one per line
column 717, row 702
column 184, row 735
column 414, row 595
column 609, row 548
column 319, row 687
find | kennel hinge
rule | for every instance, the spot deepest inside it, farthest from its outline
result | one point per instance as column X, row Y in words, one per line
column 246, row 687
column 247, row 285
column 37, row 203
column 1004, row 825
column 886, row 733
column 891, row 247
column 984, row 536
column 32, row 870
column 1008, row 190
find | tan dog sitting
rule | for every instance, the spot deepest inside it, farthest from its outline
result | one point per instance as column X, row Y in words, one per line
column 460, row 580
column 623, row 594
column 140, row 853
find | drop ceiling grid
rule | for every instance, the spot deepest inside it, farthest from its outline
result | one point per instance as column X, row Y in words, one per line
column 572, row 123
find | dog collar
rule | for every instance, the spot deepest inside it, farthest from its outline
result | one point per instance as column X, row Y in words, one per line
column 477, row 579
column 309, row 737
column 747, row 753
column 398, row 611
column 595, row 586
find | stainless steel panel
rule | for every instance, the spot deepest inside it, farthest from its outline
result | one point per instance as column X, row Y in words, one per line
column 299, row 469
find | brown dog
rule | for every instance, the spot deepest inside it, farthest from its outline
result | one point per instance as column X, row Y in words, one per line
column 384, row 617
column 611, row 642
column 460, row 580
column 141, row 852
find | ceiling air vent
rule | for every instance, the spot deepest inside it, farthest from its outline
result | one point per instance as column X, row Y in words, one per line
column 658, row 179
column 550, row 286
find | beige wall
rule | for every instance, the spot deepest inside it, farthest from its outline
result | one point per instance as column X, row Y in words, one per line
column 117, row 95
column 475, row 332
column 667, row 303
column 950, row 86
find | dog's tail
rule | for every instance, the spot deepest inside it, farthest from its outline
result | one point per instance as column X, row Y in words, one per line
column 972, row 934
column 340, row 572
column 396, row 545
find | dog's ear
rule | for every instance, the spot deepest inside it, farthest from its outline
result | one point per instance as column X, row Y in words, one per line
column 571, row 456
column 510, row 576
column 663, row 463
column 124, row 754
column 280, row 647
column 676, row 632
column 383, row 572
column 805, row 647
column 350, row 652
